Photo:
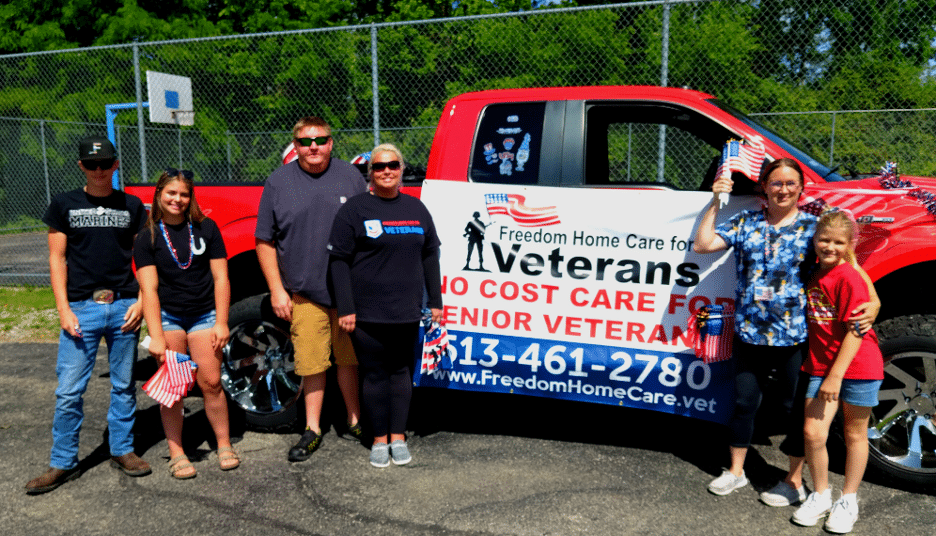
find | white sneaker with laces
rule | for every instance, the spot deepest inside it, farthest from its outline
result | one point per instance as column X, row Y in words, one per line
column 783, row 494
column 843, row 515
column 816, row 506
column 727, row 482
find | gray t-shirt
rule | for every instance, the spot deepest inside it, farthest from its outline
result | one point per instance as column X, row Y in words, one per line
column 296, row 213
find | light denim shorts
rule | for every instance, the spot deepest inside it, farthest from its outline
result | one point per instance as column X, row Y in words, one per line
column 188, row 324
column 863, row 393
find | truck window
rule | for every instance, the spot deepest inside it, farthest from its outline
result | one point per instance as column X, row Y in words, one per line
column 507, row 144
column 623, row 145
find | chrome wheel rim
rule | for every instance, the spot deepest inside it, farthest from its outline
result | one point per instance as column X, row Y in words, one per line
column 258, row 371
column 902, row 431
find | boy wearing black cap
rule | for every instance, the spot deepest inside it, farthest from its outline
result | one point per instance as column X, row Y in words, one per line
column 91, row 231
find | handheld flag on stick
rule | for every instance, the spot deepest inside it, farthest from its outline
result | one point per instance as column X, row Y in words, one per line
column 435, row 353
column 173, row 380
column 743, row 158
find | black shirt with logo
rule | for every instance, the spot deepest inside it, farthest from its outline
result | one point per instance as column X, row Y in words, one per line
column 189, row 291
column 99, row 233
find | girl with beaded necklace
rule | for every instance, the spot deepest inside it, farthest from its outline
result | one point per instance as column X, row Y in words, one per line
column 182, row 269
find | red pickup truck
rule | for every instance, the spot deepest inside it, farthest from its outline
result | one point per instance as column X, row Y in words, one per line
column 627, row 139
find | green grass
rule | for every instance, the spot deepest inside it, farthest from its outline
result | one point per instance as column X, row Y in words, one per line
column 20, row 314
column 27, row 314
column 28, row 297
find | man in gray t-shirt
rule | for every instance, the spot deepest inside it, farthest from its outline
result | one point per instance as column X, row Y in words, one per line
column 297, row 209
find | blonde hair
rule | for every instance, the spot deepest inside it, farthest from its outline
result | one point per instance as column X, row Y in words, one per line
column 383, row 148
column 835, row 218
column 311, row 121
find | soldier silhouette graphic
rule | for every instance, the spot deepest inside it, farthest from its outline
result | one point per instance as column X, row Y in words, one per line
column 474, row 231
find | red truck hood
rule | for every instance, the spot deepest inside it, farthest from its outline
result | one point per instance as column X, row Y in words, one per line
column 895, row 223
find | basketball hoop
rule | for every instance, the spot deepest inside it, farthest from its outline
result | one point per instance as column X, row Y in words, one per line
column 184, row 117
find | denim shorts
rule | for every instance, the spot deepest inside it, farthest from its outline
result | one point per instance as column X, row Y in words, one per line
column 188, row 324
column 862, row 393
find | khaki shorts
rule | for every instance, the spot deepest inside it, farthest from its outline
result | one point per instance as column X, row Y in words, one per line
column 314, row 332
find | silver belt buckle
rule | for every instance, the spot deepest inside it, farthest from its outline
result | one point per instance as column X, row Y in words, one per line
column 103, row 296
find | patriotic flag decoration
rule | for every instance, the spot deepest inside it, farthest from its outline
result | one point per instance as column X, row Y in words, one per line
column 172, row 380
column 711, row 330
column 435, row 353
column 890, row 180
column 513, row 205
column 743, row 158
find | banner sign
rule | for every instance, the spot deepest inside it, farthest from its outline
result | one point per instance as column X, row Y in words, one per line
column 580, row 294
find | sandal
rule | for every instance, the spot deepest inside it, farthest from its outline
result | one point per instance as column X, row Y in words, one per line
column 228, row 459
column 178, row 467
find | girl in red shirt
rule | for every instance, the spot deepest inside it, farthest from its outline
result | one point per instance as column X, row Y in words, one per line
column 846, row 369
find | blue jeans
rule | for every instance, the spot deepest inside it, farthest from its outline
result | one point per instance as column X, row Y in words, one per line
column 76, row 358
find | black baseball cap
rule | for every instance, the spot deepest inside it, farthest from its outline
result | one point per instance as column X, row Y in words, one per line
column 96, row 148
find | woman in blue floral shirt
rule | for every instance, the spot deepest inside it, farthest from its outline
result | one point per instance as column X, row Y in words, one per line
column 774, row 254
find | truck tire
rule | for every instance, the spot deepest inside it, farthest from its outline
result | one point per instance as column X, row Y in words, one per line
column 902, row 432
column 258, row 368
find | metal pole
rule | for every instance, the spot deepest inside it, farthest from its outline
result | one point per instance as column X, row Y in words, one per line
column 110, row 114
column 139, row 102
column 180, row 146
column 664, row 80
column 374, row 85
column 832, row 142
column 119, row 146
column 45, row 162
column 228, row 139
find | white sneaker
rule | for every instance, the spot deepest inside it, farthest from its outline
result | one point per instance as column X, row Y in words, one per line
column 816, row 506
column 783, row 494
column 727, row 482
column 843, row 515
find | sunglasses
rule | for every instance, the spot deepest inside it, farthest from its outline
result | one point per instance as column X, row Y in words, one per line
column 380, row 166
column 92, row 165
column 173, row 172
column 319, row 140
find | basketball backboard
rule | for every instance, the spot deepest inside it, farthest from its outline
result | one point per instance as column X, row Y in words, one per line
column 170, row 98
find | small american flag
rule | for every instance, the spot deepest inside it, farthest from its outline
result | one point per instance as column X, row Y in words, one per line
column 712, row 331
column 172, row 380
column 513, row 205
column 435, row 349
column 743, row 158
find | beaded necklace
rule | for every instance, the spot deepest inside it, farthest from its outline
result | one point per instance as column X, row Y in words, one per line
column 172, row 249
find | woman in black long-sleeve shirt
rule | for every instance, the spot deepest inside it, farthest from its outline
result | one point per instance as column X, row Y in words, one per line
column 384, row 252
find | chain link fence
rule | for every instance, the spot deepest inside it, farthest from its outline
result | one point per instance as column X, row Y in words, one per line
column 848, row 80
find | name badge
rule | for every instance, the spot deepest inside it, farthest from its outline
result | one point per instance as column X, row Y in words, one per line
column 763, row 293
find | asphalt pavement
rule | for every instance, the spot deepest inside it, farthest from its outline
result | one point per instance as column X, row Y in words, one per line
column 482, row 464
column 24, row 258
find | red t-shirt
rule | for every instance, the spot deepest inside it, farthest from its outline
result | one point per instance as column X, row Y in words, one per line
column 831, row 296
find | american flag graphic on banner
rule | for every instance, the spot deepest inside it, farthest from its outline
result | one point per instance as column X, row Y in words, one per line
column 172, row 380
column 513, row 205
column 712, row 330
column 743, row 158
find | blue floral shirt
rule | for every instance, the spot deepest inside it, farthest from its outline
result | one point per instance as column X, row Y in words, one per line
column 771, row 299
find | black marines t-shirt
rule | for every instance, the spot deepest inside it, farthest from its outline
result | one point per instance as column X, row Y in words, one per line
column 100, row 233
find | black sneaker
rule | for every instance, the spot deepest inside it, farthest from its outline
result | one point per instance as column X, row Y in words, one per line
column 308, row 443
column 354, row 433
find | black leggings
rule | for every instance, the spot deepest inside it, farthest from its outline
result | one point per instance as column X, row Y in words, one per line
column 754, row 364
column 385, row 354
